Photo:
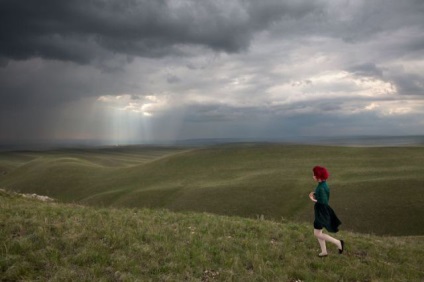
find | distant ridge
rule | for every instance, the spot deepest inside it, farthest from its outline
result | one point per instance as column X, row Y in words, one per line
column 359, row 140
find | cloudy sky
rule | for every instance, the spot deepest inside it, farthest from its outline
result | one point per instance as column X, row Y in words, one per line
column 133, row 71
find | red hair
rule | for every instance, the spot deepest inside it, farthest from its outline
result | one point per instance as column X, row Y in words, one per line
column 321, row 172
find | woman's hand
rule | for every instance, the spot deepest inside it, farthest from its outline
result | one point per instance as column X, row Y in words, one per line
column 312, row 197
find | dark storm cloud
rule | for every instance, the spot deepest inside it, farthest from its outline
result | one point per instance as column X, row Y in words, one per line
column 369, row 69
column 396, row 25
column 81, row 30
column 408, row 84
column 170, row 78
column 37, row 84
column 221, row 112
column 363, row 20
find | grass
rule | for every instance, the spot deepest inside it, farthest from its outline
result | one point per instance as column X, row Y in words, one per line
column 374, row 190
column 68, row 242
column 72, row 175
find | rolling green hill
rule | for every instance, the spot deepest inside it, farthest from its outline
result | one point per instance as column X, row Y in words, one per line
column 68, row 242
column 374, row 190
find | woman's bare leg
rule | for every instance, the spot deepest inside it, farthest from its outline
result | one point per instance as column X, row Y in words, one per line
column 322, row 238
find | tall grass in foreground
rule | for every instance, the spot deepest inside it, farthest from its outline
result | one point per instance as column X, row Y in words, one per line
column 58, row 242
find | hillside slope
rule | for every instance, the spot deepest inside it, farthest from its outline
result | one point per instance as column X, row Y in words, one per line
column 65, row 242
column 374, row 190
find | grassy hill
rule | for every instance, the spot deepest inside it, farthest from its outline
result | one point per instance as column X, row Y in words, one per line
column 68, row 242
column 374, row 190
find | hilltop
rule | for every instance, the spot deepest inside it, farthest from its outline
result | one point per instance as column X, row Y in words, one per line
column 67, row 242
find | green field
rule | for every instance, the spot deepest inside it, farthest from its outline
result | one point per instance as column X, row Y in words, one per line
column 68, row 242
column 375, row 190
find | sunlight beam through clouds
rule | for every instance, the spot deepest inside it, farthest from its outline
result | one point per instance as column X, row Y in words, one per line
column 129, row 117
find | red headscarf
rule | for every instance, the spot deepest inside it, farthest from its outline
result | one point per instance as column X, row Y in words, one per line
column 321, row 172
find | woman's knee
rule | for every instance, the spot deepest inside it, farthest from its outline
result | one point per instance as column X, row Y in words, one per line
column 318, row 233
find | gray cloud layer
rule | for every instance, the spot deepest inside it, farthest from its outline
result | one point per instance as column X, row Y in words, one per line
column 81, row 31
column 96, row 69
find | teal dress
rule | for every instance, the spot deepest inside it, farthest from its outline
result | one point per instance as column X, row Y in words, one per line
column 325, row 217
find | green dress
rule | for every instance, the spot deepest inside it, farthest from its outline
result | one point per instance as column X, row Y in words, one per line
column 325, row 217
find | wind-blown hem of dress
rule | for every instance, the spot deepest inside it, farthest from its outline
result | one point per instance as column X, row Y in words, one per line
column 326, row 217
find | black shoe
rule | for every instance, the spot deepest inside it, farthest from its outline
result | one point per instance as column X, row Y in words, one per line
column 342, row 249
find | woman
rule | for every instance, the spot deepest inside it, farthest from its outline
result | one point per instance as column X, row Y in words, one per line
column 324, row 214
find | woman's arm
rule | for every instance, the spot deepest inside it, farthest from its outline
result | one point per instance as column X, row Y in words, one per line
column 312, row 197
